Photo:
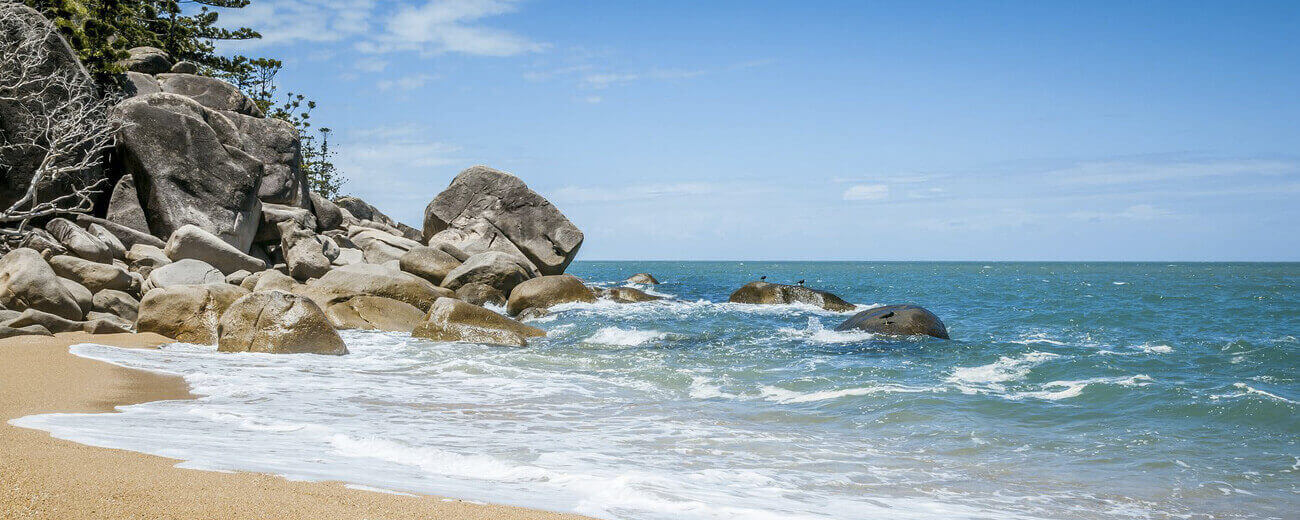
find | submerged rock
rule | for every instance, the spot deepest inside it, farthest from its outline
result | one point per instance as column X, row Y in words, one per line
column 771, row 293
column 277, row 322
column 643, row 279
column 548, row 291
column 454, row 320
column 628, row 295
column 900, row 320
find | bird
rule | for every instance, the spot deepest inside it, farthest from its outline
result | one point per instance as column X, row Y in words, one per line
column 762, row 278
column 800, row 282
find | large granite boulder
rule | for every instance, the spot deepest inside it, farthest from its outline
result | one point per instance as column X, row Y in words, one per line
column 78, row 241
column 363, row 210
column 454, row 320
column 898, row 320
column 187, row 271
column 28, row 282
column 772, row 294
column 375, row 280
column 187, row 313
column 328, row 215
column 144, row 258
column 275, row 143
column 94, row 276
column 488, row 210
column 374, row 313
column 147, row 60
column 138, row 84
column 380, row 246
column 548, row 291
column 124, row 206
column 188, row 168
column 117, row 303
column 429, row 263
column 481, row 295
column 209, row 92
column 305, row 252
column 491, row 268
column 268, row 230
column 31, row 318
column 57, row 78
column 277, row 322
column 85, row 300
column 128, row 236
column 38, row 239
column 115, row 245
column 191, row 241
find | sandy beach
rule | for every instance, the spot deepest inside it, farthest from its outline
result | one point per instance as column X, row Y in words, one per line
column 43, row 477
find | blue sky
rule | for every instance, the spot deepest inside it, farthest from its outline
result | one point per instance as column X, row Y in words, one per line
column 825, row 130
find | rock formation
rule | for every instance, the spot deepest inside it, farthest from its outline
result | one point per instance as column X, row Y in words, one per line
column 771, row 293
column 454, row 320
column 899, row 320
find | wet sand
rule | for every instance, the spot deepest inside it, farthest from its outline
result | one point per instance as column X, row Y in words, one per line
column 43, row 477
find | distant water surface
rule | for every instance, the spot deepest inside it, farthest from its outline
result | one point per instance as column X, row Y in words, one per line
column 1070, row 390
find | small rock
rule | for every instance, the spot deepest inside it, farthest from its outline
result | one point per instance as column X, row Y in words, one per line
column 79, row 242
column 643, row 279
column 429, row 263
column 187, row 271
column 345, row 282
column 493, row 269
column 479, row 294
column 116, row 303
column 28, row 282
column 548, row 291
column 454, row 320
column 147, row 60
column 628, row 295
column 374, row 313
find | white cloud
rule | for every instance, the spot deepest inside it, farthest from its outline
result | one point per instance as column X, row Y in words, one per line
column 405, row 83
column 867, row 192
column 1128, row 172
column 398, row 168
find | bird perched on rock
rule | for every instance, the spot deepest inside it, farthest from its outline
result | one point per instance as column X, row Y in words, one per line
column 800, row 282
column 762, row 278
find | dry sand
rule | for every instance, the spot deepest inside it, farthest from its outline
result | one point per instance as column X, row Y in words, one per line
column 43, row 477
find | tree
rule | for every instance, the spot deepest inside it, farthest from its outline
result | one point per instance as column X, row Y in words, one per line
column 61, row 125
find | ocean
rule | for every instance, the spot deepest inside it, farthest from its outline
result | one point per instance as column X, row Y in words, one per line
column 1069, row 390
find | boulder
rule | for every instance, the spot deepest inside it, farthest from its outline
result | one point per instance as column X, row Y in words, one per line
column 449, row 248
column 31, row 330
column 429, row 263
column 304, row 251
column 491, row 268
column 50, row 322
column 144, row 258
column 124, row 206
column 409, row 232
column 138, row 84
column 277, row 322
column 628, row 295
column 488, row 209
column 185, row 67
column 188, row 168
column 275, row 143
column 26, row 109
column 531, row 313
column 273, row 281
column 380, row 246
column 548, row 291
column 327, row 212
column 191, row 241
column 643, row 279
column 479, row 294
column 28, row 282
column 94, row 276
column 374, row 313
column 350, row 256
column 78, row 241
column 128, row 236
column 81, row 294
column 268, row 229
column 116, row 303
column 188, row 271
column 771, row 293
column 364, row 211
column 209, row 92
column 187, row 313
column 898, row 320
column 237, row 277
column 454, row 320
column 38, row 239
column 345, row 282
column 115, row 246
column 147, row 60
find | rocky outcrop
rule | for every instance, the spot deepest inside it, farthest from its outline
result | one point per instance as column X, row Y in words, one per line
column 124, row 206
column 771, row 293
column 186, row 271
column 209, row 92
column 380, row 246
column 374, row 313
column 275, row 143
column 94, row 276
column 188, row 168
column 139, row 84
column 305, row 253
column 327, row 213
column 28, row 282
column 429, row 263
column 643, row 279
column 147, row 60
column 375, row 280
column 187, row 313
column 488, row 210
column 628, row 295
column 363, row 210
column 78, row 241
column 454, row 320
column 277, row 322
column 491, row 268
column 548, row 291
column 191, row 241
column 898, row 320
column 117, row 303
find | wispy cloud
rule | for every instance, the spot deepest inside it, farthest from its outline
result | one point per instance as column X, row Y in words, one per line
column 406, row 82
column 591, row 77
column 867, row 192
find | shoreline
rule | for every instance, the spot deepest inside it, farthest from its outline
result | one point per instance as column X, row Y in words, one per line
column 45, row 477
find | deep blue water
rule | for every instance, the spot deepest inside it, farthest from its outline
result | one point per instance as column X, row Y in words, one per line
column 1069, row 390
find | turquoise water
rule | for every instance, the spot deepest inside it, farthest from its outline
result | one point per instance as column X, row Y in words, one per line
column 1069, row 390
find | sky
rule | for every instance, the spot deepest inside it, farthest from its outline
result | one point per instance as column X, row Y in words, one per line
column 855, row 130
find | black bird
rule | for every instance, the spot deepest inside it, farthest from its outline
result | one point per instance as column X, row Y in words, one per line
column 800, row 282
column 762, row 278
